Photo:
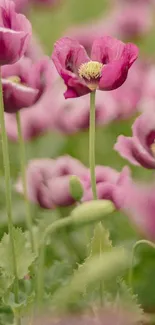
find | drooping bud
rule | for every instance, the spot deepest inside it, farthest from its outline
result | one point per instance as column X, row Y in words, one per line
column 76, row 188
column 91, row 211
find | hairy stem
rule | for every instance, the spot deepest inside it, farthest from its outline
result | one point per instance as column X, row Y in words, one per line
column 23, row 176
column 92, row 144
column 7, row 177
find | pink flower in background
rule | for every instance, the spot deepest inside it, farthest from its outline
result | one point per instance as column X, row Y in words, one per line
column 24, row 83
column 15, row 33
column 137, row 201
column 72, row 116
column 126, row 21
column 140, row 148
column 21, row 5
column 106, row 70
column 107, row 181
column 48, row 3
column 127, row 98
column 34, row 122
column 48, row 181
column 133, row 20
column 35, row 50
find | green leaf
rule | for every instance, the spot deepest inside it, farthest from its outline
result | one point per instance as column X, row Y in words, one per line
column 100, row 242
column 23, row 254
column 125, row 298
column 105, row 267
column 24, row 304
column 5, row 282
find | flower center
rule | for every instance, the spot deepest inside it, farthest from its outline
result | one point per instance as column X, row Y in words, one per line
column 152, row 147
column 91, row 73
column 14, row 79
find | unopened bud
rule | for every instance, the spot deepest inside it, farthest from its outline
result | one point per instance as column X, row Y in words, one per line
column 91, row 211
column 76, row 188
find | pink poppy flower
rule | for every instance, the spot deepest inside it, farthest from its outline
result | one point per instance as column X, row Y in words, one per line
column 24, row 83
column 48, row 181
column 21, row 5
column 107, row 181
column 72, row 116
column 106, row 70
column 15, row 32
column 137, row 201
column 140, row 148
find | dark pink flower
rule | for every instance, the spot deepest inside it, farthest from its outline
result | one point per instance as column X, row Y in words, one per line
column 24, row 83
column 48, row 181
column 140, row 148
column 15, row 32
column 106, row 70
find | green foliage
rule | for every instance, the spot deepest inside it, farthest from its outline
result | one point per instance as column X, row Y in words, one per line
column 104, row 266
column 100, row 242
column 24, row 256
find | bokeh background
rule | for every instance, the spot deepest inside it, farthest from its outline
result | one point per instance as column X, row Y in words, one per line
column 49, row 25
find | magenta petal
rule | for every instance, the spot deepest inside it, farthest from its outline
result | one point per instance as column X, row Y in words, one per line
column 17, row 96
column 106, row 49
column 131, row 52
column 68, row 54
column 124, row 146
column 113, row 75
column 75, row 87
column 132, row 150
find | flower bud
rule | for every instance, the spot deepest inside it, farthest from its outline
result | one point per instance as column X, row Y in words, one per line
column 76, row 188
column 91, row 211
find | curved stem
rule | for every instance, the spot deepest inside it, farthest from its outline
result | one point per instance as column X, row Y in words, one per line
column 23, row 175
column 6, row 163
column 138, row 243
column 92, row 144
column 58, row 224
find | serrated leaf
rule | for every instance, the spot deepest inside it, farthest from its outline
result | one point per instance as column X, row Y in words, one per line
column 24, row 304
column 105, row 266
column 5, row 282
column 100, row 242
column 126, row 298
column 57, row 275
column 24, row 256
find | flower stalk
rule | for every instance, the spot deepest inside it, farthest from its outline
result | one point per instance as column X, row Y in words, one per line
column 92, row 144
column 23, row 176
column 8, row 195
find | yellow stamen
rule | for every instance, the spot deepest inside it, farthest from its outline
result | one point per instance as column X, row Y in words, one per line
column 152, row 147
column 14, row 79
column 91, row 71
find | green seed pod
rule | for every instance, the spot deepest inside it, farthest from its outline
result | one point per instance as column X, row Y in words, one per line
column 76, row 188
column 92, row 211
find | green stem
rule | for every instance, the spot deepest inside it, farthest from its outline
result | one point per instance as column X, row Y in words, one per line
column 92, row 163
column 137, row 244
column 58, row 224
column 7, row 177
column 23, row 176
column 92, row 144
column 86, row 213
